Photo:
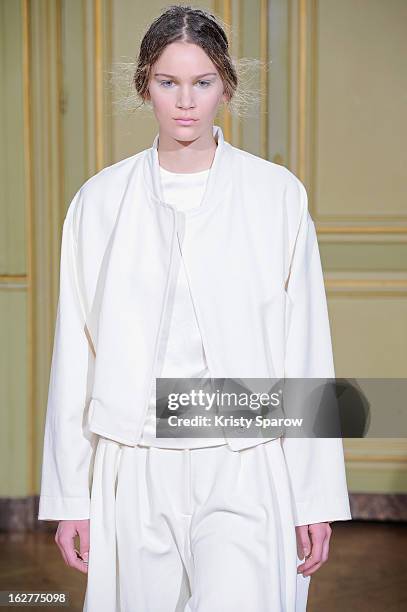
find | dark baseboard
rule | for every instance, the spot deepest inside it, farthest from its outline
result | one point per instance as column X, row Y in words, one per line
column 379, row 506
column 20, row 514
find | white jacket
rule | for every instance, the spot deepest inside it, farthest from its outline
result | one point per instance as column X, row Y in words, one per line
column 253, row 264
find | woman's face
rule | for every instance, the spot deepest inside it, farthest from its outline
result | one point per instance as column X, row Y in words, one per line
column 184, row 83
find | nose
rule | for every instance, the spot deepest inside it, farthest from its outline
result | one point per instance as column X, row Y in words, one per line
column 185, row 98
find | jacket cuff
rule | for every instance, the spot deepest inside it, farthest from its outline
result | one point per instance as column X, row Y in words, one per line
column 315, row 511
column 63, row 508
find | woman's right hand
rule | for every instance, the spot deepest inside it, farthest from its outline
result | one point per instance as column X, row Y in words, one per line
column 64, row 537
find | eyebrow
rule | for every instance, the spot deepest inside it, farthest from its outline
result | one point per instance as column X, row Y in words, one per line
column 198, row 76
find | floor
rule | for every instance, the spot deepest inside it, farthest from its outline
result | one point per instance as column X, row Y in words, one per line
column 367, row 569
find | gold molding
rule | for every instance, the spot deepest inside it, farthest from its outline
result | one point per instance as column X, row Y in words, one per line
column 30, row 246
column 354, row 229
column 227, row 16
column 302, row 89
column 87, row 169
column 60, row 132
column 366, row 287
column 289, row 77
column 354, row 293
column 366, row 458
column 98, row 84
column 6, row 278
column 240, row 54
column 375, row 450
column 264, row 80
column 369, row 283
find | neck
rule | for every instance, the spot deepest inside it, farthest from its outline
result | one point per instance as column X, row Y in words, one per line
column 186, row 156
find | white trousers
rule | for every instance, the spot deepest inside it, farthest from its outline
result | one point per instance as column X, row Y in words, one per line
column 192, row 530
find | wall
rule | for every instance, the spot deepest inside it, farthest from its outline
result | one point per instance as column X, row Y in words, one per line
column 331, row 109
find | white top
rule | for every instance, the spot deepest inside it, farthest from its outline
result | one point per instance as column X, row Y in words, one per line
column 184, row 355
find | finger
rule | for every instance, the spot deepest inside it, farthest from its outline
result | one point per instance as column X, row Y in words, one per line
column 308, row 549
column 83, row 533
column 83, row 559
column 325, row 548
column 69, row 550
column 312, row 570
column 304, row 543
column 303, row 540
column 324, row 556
column 317, row 539
column 84, row 554
column 316, row 555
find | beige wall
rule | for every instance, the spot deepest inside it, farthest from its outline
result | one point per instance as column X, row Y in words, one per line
column 331, row 110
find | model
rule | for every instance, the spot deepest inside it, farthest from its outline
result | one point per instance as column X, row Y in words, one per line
column 195, row 259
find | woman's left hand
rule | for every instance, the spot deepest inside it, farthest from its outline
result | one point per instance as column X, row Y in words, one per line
column 313, row 544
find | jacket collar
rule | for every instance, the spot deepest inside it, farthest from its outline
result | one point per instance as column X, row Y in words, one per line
column 219, row 179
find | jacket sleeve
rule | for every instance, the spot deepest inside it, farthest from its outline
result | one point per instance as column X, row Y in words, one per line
column 68, row 446
column 316, row 466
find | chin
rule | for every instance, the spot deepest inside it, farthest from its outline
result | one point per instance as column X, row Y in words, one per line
column 185, row 133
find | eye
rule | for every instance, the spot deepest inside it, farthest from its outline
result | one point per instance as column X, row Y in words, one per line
column 204, row 83
column 162, row 82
